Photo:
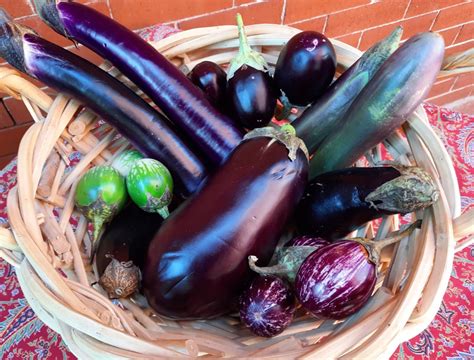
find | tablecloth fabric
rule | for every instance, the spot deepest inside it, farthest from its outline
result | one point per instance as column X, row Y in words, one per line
column 450, row 335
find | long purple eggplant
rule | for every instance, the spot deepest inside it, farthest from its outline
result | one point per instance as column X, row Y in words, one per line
column 185, row 105
column 197, row 262
column 146, row 129
column 387, row 101
column 325, row 114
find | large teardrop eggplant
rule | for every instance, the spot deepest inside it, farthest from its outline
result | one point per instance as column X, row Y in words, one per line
column 197, row 262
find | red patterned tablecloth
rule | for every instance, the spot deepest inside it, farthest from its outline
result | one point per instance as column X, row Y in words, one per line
column 450, row 335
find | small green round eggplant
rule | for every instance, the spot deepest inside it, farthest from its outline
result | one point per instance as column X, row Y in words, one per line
column 100, row 195
column 150, row 186
column 123, row 163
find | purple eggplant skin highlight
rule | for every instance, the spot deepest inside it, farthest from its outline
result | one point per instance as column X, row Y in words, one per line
column 212, row 80
column 267, row 306
column 197, row 262
column 214, row 134
column 146, row 129
column 325, row 114
column 336, row 281
column 252, row 97
column 306, row 240
column 398, row 87
column 305, row 67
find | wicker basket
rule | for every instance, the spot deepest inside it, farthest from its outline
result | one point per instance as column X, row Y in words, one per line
column 48, row 238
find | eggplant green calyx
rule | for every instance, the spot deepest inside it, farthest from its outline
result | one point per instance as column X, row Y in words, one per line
column 286, row 137
column 246, row 55
column 11, row 41
column 48, row 12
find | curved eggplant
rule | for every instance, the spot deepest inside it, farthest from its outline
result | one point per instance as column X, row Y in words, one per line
column 186, row 106
column 146, row 129
column 197, row 262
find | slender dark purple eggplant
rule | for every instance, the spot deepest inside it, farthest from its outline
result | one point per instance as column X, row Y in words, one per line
column 185, row 105
column 122, row 250
column 290, row 257
column 338, row 202
column 267, row 306
column 212, row 80
column 197, row 262
column 146, row 129
column 251, row 94
column 324, row 115
column 398, row 87
column 305, row 67
column 337, row 280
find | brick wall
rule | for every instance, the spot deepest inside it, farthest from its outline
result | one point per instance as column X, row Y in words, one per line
column 357, row 22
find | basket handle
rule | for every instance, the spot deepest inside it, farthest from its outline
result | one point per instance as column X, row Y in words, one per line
column 463, row 226
column 9, row 249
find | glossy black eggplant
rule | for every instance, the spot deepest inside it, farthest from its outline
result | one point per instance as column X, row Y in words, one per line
column 305, row 67
column 338, row 202
column 186, row 106
column 251, row 94
column 197, row 262
column 146, row 129
column 212, row 80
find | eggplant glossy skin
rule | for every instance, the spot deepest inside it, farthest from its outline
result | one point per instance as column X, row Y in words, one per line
column 333, row 204
column 305, row 67
column 267, row 306
column 336, row 281
column 305, row 240
column 212, row 80
column 197, row 262
column 252, row 97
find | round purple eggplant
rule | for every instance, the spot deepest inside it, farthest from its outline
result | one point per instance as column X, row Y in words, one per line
column 212, row 80
column 290, row 257
column 337, row 280
column 305, row 67
column 251, row 94
column 267, row 306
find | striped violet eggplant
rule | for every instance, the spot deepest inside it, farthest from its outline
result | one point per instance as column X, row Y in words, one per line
column 186, row 106
column 122, row 248
column 305, row 67
column 338, row 202
column 324, row 115
column 100, row 195
column 338, row 279
column 387, row 101
column 197, row 262
column 289, row 257
column 251, row 94
column 212, row 80
column 267, row 306
column 146, row 129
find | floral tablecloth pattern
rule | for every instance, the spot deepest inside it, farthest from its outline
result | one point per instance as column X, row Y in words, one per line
column 450, row 335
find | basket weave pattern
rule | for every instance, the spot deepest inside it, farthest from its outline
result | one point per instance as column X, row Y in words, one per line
column 49, row 242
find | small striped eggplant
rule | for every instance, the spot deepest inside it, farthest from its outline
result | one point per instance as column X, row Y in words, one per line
column 267, row 306
column 123, row 163
column 338, row 279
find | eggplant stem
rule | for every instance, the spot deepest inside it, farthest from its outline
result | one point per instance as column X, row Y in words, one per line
column 164, row 212
column 277, row 269
column 244, row 46
column 379, row 245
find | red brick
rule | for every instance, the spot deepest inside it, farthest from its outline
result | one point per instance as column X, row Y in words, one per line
column 142, row 13
column 442, row 86
column 17, row 8
column 5, row 160
column 363, row 17
column 303, row 9
column 452, row 96
column 5, row 118
column 241, row 2
column 10, row 138
column 450, row 34
column 454, row 15
column 262, row 12
column 459, row 48
column 87, row 54
column 423, row 6
column 463, row 80
column 17, row 110
column 466, row 33
column 313, row 24
column 351, row 39
column 410, row 27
